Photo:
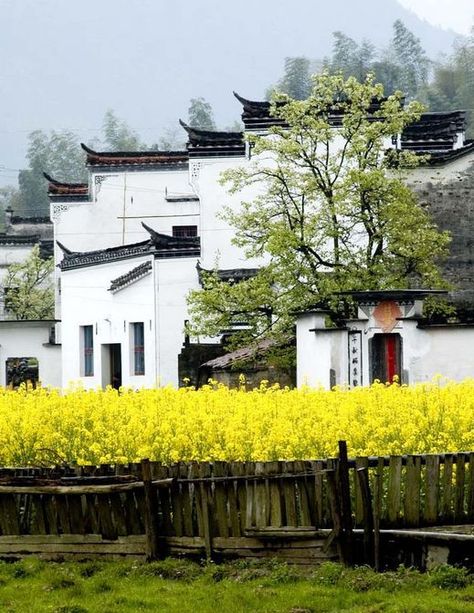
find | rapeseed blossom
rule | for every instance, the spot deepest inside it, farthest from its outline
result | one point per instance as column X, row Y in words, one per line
column 45, row 426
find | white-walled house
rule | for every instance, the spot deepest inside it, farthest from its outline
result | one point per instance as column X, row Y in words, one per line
column 130, row 244
column 388, row 338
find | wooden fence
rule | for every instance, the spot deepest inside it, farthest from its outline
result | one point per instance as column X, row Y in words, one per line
column 301, row 511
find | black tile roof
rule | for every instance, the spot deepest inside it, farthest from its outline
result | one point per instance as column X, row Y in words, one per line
column 137, row 159
column 159, row 245
column 130, row 277
column 230, row 275
column 207, row 143
column 58, row 190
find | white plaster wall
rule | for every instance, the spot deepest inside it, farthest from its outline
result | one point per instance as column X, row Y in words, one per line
column 119, row 203
column 174, row 278
column 87, row 301
column 217, row 234
column 20, row 339
column 313, row 351
column 13, row 254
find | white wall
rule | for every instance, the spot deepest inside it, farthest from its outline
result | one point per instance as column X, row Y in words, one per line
column 87, row 301
column 19, row 339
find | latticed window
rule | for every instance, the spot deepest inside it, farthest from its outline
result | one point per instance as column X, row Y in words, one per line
column 88, row 351
column 138, row 348
column 184, row 231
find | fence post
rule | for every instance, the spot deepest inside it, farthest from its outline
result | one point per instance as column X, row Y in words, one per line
column 368, row 518
column 151, row 513
column 345, row 500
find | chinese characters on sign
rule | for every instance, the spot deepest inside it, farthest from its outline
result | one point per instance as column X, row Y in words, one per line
column 355, row 358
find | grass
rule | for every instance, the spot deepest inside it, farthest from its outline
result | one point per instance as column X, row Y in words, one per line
column 181, row 586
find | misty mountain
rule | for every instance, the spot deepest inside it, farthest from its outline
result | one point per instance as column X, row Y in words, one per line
column 65, row 63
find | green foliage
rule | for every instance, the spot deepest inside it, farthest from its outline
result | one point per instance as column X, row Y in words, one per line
column 118, row 136
column 200, row 114
column 411, row 59
column 449, row 577
column 331, row 213
column 28, row 288
column 57, row 153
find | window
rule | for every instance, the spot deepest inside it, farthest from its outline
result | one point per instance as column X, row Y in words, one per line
column 138, row 344
column 87, row 333
column 185, row 231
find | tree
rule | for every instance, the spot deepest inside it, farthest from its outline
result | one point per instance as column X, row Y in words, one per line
column 118, row 136
column 296, row 81
column 410, row 57
column 349, row 58
column 28, row 288
column 200, row 114
column 331, row 213
column 57, row 153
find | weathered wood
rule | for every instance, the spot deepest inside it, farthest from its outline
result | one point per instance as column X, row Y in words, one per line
column 151, row 513
column 345, row 502
column 289, row 495
column 79, row 490
column 274, row 495
column 262, row 501
column 412, row 491
column 76, row 518
column 221, row 524
column 186, row 500
column 9, row 515
column 250, row 497
column 470, row 492
column 302, row 495
column 430, row 511
column 233, row 503
column 63, row 514
column 176, row 501
column 161, row 472
column 360, row 462
column 204, row 495
column 336, row 513
column 238, row 469
column 367, row 514
column 193, row 472
column 446, row 503
column 394, row 489
column 459, row 488
column 377, row 512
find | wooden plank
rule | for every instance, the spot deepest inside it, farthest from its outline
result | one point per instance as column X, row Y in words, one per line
column 9, row 516
column 319, row 497
column 165, row 504
column 250, row 497
column 367, row 514
column 274, row 495
column 106, row 522
column 430, row 511
column 377, row 512
column 76, row 519
column 187, row 491
column 90, row 512
column 262, row 502
column 63, row 514
column 117, row 504
column 360, row 462
column 394, row 490
column 305, row 518
column 459, row 514
column 289, row 496
column 151, row 513
column 336, row 514
column 194, row 472
column 238, row 469
column 204, row 495
column 38, row 518
column 50, row 514
column 470, row 491
column 412, row 491
column 233, row 503
column 221, row 523
column 447, row 513
column 79, row 490
column 176, row 501
column 345, row 502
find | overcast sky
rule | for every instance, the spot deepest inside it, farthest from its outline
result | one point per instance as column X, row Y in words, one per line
column 455, row 14
column 63, row 63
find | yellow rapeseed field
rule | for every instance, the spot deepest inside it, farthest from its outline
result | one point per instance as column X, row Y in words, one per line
column 91, row 427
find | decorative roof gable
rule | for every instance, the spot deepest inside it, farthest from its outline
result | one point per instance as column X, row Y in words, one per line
column 58, row 190
column 207, row 143
column 136, row 159
column 140, row 271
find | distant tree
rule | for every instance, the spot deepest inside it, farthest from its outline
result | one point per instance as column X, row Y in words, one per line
column 57, row 153
column 200, row 114
column 28, row 288
column 350, row 58
column 296, row 80
column 411, row 59
column 170, row 140
column 118, row 136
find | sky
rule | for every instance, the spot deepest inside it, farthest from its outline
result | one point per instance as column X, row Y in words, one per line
column 63, row 63
column 455, row 14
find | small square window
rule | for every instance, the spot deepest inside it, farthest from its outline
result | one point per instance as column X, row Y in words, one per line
column 87, row 342
column 184, row 231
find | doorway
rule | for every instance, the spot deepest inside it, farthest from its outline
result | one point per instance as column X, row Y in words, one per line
column 112, row 365
column 386, row 357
